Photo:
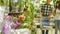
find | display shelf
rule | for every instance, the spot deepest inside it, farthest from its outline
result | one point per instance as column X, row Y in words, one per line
column 15, row 13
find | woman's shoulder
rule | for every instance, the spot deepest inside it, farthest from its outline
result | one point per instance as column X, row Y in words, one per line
column 58, row 10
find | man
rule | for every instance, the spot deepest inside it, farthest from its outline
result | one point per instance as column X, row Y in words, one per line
column 46, row 13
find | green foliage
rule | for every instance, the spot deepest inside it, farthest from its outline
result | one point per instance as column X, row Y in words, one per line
column 4, row 2
column 1, row 2
column 7, row 2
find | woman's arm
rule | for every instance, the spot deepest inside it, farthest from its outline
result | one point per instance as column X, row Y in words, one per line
column 40, row 14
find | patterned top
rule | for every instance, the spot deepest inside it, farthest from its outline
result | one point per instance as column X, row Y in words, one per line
column 46, row 9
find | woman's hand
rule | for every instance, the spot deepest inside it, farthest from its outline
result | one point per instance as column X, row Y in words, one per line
column 51, row 15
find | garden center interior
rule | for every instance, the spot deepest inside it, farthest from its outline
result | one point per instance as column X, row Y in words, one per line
column 29, row 17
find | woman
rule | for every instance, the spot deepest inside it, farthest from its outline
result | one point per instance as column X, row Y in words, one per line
column 57, row 17
column 6, row 25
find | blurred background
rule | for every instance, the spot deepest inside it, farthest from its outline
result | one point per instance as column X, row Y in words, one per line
column 25, row 14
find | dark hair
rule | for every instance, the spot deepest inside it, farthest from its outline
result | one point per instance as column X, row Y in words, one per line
column 58, row 2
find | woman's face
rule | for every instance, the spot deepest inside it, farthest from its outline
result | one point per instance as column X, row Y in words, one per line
column 57, row 4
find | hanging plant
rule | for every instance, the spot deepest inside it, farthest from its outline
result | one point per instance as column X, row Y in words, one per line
column 54, row 1
column 7, row 2
column 1, row 2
